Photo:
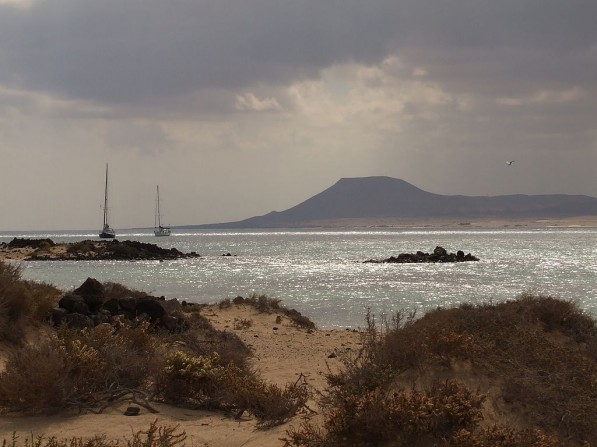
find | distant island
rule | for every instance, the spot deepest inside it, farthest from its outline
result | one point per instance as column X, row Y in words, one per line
column 379, row 201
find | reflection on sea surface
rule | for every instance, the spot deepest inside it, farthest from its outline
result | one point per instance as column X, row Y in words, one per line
column 321, row 273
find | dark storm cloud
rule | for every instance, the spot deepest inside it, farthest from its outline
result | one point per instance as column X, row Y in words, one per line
column 129, row 50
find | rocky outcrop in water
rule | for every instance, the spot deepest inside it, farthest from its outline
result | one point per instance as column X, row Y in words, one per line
column 88, row 306
column 21, row 242
column 439, row 255
column 47, row 250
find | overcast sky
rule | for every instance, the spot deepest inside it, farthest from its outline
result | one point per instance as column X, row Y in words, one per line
column 240, row 107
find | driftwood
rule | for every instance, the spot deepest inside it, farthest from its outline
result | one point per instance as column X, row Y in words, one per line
column 97, row 402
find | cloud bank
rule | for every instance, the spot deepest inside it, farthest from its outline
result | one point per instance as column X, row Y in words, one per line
column 437, row 93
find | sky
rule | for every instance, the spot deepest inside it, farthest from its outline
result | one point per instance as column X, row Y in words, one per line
column 236, row 108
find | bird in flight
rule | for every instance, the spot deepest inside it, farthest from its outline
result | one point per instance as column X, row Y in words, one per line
column 509, row 162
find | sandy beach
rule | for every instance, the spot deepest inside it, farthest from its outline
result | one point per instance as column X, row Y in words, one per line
column 281, row 352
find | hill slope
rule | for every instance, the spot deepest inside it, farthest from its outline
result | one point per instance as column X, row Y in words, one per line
column 386, row 197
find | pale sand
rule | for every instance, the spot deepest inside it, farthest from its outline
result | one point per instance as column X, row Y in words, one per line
column 281, row 355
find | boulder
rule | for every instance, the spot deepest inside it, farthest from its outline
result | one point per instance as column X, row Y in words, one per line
column 74, row 303
column 92, row 292
column 152, row 307
column 128, row 303
column 112, row 306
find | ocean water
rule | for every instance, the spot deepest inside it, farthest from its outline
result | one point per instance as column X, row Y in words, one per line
column 321, row 272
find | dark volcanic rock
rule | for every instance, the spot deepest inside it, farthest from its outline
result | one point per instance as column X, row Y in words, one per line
column 92, row 292
column 152, row 307
column 128, row 303
column 74, row 303
column 439, row 254
column 87, row 307
column 140, row 250
column 99, row 250
column 33, row 243
column 78, row 321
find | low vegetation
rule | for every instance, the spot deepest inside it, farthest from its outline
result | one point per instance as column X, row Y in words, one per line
column 22, row 303
column 93, row 368
column 155, row 436
column 520, row 373
column 266, row 304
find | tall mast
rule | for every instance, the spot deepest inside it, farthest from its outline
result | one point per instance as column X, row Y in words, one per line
column 106, row 199
column 157, row 209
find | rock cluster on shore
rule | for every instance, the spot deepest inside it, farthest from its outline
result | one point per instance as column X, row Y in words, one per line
column 46, row 250
column 88, row 306
column 439, row 254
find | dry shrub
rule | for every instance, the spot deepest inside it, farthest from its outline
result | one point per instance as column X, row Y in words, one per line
column 204, row 382
column 265, row 304
column 538, row 352
column 22, row 303
column 269, row 403
column 34, row 380
column 260, row 302
column 78, row 368
column 155, row 436
column 402, row 418
column 203, row 339
column 45, row 297
column 111, row 356
column 503, row 437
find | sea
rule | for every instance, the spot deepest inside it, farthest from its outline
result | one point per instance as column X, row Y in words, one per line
column 322, row 273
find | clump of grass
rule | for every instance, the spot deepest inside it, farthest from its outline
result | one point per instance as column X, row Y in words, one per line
column 537, row 352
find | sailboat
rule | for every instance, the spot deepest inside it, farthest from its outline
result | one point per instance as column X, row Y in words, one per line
column 107, row 232
column 159, row 230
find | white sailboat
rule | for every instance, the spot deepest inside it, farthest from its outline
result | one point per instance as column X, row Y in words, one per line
column 107, row 232
column 159, row 229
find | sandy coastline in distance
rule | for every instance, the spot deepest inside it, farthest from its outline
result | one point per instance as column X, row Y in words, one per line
column 281, row 352
column 380, row 223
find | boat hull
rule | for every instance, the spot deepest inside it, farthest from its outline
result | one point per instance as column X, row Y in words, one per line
column 162, row 231
column 107, row 233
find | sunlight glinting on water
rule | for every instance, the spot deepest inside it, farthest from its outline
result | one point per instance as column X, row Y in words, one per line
column 321, row 273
